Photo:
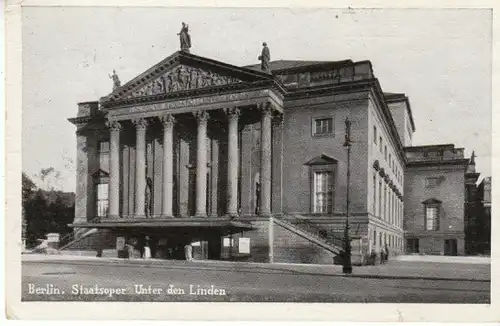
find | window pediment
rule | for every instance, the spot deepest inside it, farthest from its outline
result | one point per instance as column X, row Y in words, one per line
column 322, row 159
column 432, row 201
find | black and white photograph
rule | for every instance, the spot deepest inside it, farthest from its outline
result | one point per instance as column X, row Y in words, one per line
column 256, row 155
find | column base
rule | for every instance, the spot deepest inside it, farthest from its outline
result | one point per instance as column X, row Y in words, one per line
column 167, row 216
column 110, row 217
column 265, row 214
column 200, row 215
column 139, row 216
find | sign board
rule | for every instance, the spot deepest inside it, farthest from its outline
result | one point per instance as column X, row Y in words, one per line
column 244, row 245
column 120, row 243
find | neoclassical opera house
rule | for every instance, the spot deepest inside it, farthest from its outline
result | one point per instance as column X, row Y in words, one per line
column 244, row 163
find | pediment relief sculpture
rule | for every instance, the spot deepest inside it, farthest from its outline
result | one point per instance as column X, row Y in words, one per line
column 183, row 78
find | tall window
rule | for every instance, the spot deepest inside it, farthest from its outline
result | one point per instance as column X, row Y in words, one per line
column 374, row 237
column 385, row 152
column 323, row 192
column 102, row 199
column 104, row 154
column 374, row 134
column 379, row 198
column 323, row 126
column 390, row 162
column 374, row 194
column 385, row 202
column 380, row 144
column 431, row 214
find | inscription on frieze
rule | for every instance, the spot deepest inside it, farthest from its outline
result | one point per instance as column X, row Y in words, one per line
column 183, row 78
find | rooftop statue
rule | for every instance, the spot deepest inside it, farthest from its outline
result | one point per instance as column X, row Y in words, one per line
column 116, row 80
column 265, row 58
column 185, row 38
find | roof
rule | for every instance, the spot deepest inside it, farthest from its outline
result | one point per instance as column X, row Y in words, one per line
column 430, row 147
column 278, row 65
column 397, row 97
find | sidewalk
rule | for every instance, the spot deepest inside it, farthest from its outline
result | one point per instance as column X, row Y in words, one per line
column 393, row 270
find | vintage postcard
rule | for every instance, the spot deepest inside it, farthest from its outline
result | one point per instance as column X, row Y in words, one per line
column 293, row 158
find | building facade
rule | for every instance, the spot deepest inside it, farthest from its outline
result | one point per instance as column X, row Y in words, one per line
column 435, row 204
column 249, row 164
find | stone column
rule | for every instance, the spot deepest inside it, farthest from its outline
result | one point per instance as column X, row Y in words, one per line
column 140, row 166
column 168, row 152
column 233, row 162
column 201, row 164
column 114, row 169
column 215, row 177
column 265, row 160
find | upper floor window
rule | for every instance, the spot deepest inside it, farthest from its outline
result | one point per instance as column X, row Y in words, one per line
column 380, row 144
column 323, row 192
column 323, row 126
column 375, row 134
column 385, row 152
column 322, row 179
column 102, row 199
column 432, row 207
column 431, row 182
column 104, row 147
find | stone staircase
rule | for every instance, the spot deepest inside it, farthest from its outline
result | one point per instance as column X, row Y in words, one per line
column 315, row 233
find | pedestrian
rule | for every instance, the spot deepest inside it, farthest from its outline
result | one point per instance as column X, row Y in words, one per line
column 386, row 252
column 130, row 250
column 382, row 256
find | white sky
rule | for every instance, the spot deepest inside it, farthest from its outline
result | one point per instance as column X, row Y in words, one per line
column 440, row 58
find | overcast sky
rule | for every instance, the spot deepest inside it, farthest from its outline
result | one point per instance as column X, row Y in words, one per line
column 440, row 58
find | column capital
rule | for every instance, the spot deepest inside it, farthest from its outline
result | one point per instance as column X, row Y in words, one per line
column 113, row 125
column 232, row 112
column 266, row 108
column 140, row 123
column 278, row 119
column 168, row 120
column 201, row 115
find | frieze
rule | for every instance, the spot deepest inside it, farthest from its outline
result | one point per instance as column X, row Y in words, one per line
column 183, row 78
column 194, row 102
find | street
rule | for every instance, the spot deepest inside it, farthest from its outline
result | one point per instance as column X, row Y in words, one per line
column 182, row 281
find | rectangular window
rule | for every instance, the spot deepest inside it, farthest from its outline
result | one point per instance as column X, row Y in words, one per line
column 374, row 237
column 431, row 182
column 374, row 194
column 375, row 134
column 431, row 218
column 380, row 144
column 323, row 192
column 104, row 147
column 379, row 198
column 102, row 199
column 323, row 126
column 385, row 203
column 390, row 161
column 385, row 152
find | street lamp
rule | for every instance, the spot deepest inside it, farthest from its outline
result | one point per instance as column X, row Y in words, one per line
column 347, row 266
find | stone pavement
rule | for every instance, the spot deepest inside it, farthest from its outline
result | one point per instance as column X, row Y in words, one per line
column 395, row 269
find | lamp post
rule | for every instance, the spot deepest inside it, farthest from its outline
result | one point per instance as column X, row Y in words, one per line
column 347, row 266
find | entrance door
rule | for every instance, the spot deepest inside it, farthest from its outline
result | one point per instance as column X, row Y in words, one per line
column 450, row 247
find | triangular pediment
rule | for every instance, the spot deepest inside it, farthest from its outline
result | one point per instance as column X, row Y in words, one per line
column 321, row 159
column 184, row 72
column 99, row 173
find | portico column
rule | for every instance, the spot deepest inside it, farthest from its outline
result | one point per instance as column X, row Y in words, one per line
column 168, row 131
column 201, row 164
column 140, row 166
column 265, row 160
column 233, row 162
column 114, row 169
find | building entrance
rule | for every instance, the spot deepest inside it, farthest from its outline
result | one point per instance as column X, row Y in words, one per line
column 450, row 247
